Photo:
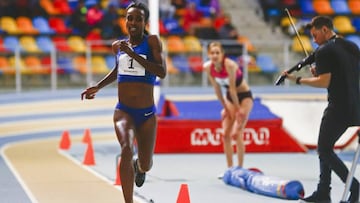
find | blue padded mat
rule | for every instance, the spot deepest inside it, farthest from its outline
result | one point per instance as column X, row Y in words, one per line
column 210, row 110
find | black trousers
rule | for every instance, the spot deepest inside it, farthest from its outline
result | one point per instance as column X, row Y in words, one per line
column 333, row 125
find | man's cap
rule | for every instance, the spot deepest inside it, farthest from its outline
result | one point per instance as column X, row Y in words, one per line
column 320, row 21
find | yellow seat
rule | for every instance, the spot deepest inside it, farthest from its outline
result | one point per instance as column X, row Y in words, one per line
column 28, row 44
column 8, row 24
column 99, row 65
column 192, row 44
column 343, row 24
column 77, row 44
column 296, row 45
column 21, row 65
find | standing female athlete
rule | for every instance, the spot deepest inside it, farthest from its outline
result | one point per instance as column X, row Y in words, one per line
column 224, row 72
column 138, row 61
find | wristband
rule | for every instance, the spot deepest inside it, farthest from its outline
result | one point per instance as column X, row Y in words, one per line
column 298, row 80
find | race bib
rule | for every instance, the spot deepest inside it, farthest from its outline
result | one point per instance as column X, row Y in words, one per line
column 129, row 66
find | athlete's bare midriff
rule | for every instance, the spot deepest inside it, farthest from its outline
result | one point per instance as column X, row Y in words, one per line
column 136, row 94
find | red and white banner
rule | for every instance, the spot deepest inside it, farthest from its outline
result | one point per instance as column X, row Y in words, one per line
column 205, row 136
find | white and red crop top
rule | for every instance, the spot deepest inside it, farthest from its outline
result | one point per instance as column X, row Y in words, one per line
column 222, row 76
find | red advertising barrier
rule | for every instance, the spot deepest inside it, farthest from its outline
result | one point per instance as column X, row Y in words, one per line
column 204, row 136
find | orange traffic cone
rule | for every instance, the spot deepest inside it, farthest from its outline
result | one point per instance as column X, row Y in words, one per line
column 89, row 155
column 118, row 179
column 87, row 136
column 183, row 196
column 65, row 141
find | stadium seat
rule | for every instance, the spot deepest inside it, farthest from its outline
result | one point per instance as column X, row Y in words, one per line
column 354, row 6
column 20, row 63
column 8, row 25
column 245, row 40
column 80, row 64
column 171, row 69
column 343, row 25
column 99, row 65
column 181, row 63
column 62, row 6
column 354, row 38
column 11, row 43
column 49, row 7
column 58, row 25
column 77, row 43
column 323, row 7
column 192, row 44
column 61, row 43
column 175, row 44
column 307, row 7
column 2, row 46
column 356, row 23
column 297, row 47
column 110, row 61
column 5, row 66
column 34, row 64
column 96, row 41
column 266, row 63
column 162, row 29
column 28, row 44
column 340, row 7
column 122, row 24
column 25, row 25
column 46, row 63
column 65, row 65
column 42, row 25
column 45, row 43
column 196, row 63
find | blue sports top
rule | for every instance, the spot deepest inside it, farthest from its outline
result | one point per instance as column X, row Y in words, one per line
column 129, row 70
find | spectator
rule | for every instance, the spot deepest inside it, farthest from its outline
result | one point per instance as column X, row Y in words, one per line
column 78, row 19
column 179, row 4
column 94, row 16
column 192, row 18
column 167, row 10
column 228, row 30
column 7, row 8
column 110, row 26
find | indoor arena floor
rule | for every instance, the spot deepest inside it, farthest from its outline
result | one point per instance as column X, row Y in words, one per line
column 34, row 169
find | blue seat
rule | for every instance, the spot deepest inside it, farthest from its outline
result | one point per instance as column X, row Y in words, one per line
column 65, row 65
column 11, row 43
column 42, row 25
column 266, row 63
column 307, row 7
column 354, row 38
column 181, row 63
column 110, row 61
column 340, row 6
column 45, row 43
column 356, row 23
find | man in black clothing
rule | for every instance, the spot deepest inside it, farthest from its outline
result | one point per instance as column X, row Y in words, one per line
column 337, row 69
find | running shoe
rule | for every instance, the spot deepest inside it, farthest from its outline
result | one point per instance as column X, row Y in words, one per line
column 139, row 177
